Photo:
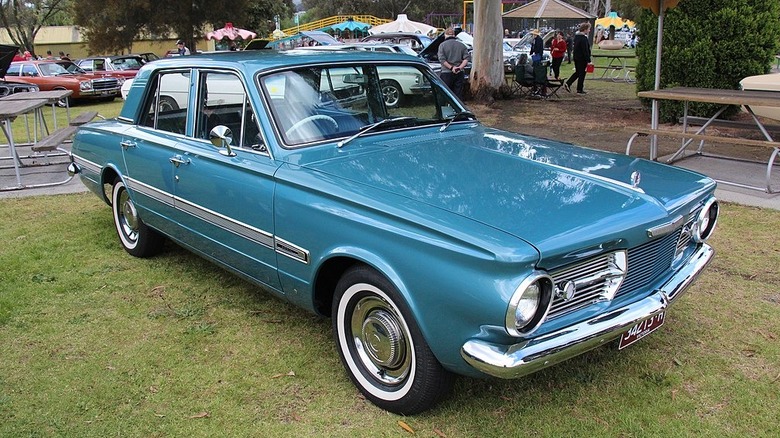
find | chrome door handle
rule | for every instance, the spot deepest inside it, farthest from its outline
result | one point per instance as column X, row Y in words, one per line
column 127, row 144
column 178, row 160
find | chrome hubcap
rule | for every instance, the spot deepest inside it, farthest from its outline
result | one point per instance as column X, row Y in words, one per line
column 129, row 216
column 381, row 341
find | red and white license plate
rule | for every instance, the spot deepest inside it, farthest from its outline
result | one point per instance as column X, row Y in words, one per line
column 640, row 330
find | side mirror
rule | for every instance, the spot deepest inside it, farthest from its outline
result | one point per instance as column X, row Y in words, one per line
column 221, row 137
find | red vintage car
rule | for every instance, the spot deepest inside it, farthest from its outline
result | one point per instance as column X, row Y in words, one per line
column 49, row 75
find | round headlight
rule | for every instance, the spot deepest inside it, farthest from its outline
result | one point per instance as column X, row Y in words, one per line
column 705, row 221
column 529, row 304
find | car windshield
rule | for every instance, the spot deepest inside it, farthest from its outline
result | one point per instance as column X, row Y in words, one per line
column 71, row 67
column 127, row 63
column 314, row 104
column 52, row 69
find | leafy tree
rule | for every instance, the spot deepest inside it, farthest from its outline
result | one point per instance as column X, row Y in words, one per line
column 23, row 19
column 708, row 44
column 112, row 25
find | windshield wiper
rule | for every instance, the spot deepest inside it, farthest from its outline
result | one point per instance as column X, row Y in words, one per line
column 457, row 116
column 372, row 127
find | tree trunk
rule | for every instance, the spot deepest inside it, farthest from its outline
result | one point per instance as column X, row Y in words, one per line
column 487, row 70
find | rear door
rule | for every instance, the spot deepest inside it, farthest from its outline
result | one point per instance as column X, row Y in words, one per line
column 224, row 196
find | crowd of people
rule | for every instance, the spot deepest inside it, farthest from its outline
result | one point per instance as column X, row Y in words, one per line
column 27, row 56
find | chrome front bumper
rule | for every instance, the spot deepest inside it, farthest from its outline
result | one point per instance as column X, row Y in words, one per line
column 517, row 360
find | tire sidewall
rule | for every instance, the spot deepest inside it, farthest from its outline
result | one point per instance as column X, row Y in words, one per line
column 371, row 388
column 119, row 188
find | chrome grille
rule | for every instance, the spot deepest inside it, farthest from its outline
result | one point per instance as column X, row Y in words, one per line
column 645, row 263
column 105, row 84
column 596, row 279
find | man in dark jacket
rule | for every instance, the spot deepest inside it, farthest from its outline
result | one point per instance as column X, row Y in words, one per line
column 537, row 47
column 581, row 53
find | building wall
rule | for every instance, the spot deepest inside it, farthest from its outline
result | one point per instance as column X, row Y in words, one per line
column 68, row 40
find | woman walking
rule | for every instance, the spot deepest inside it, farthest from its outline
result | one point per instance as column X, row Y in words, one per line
column 581, row 52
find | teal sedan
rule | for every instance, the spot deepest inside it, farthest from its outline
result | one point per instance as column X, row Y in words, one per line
column 437, row 246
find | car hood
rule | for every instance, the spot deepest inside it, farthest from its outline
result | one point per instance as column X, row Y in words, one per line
column 545, row 192
column 7, row 54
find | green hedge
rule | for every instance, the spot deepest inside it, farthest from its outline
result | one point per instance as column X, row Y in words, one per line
column 708, row 44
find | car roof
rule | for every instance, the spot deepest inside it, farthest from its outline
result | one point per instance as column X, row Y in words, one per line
column 268, row 59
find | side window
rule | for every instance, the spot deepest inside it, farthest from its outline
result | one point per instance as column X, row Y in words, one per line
column 100, row 65
column 221, row 100
column 86, row 65
column 13, row 70
column 29, row 70
column 167, row 102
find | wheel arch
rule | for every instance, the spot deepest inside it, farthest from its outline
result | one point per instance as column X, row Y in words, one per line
column 107, row 178
column 333, row 268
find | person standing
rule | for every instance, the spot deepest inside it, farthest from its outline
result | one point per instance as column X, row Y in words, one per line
column 537, row 47
column 453, row 57
column 581, row 52
column 557, row 51
column 569, row 45
column 182, row 49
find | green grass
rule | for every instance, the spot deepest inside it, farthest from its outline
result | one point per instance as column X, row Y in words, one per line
column 97, row 343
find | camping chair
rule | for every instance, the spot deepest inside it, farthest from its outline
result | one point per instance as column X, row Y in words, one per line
column 532, row 81
column 525, row 83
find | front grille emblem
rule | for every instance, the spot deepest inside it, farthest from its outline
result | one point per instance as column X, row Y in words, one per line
column 566, row 290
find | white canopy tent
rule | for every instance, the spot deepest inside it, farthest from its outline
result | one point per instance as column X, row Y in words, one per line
column 402, row 24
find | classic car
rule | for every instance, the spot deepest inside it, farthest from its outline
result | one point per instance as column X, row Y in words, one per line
column 49, row 75
column 123, row 65
column 416, row 41
column 436, row 245
column 767, row 82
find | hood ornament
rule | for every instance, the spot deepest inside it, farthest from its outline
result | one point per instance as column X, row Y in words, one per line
column 636, row 177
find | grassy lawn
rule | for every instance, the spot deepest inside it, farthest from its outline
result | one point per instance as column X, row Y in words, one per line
column 97, row 343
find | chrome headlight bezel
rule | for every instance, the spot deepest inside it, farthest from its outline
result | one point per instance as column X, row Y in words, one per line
column 85, row 85
column 544, row 282
column 705, row 222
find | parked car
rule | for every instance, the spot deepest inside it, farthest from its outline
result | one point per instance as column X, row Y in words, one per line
column 767, row 82
column 436, row 245
column 124, row 65
column 522, row 45
column 50, row 75
column 415, row 41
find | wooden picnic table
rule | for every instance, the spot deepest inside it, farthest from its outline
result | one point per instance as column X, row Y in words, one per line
column 725, row 98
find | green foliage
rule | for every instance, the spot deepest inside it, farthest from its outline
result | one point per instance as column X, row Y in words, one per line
column 708, row 44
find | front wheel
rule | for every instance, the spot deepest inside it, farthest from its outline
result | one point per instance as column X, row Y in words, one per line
column 136, row 238
column 382, row 348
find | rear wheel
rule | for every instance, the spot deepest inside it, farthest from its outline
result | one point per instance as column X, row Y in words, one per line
column 167, row 103
column 381, row 346
column 136, row 238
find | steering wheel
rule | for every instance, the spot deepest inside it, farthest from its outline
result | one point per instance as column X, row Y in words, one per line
column 311, row 119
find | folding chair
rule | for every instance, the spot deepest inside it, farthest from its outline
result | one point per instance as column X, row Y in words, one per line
column 525, row 82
